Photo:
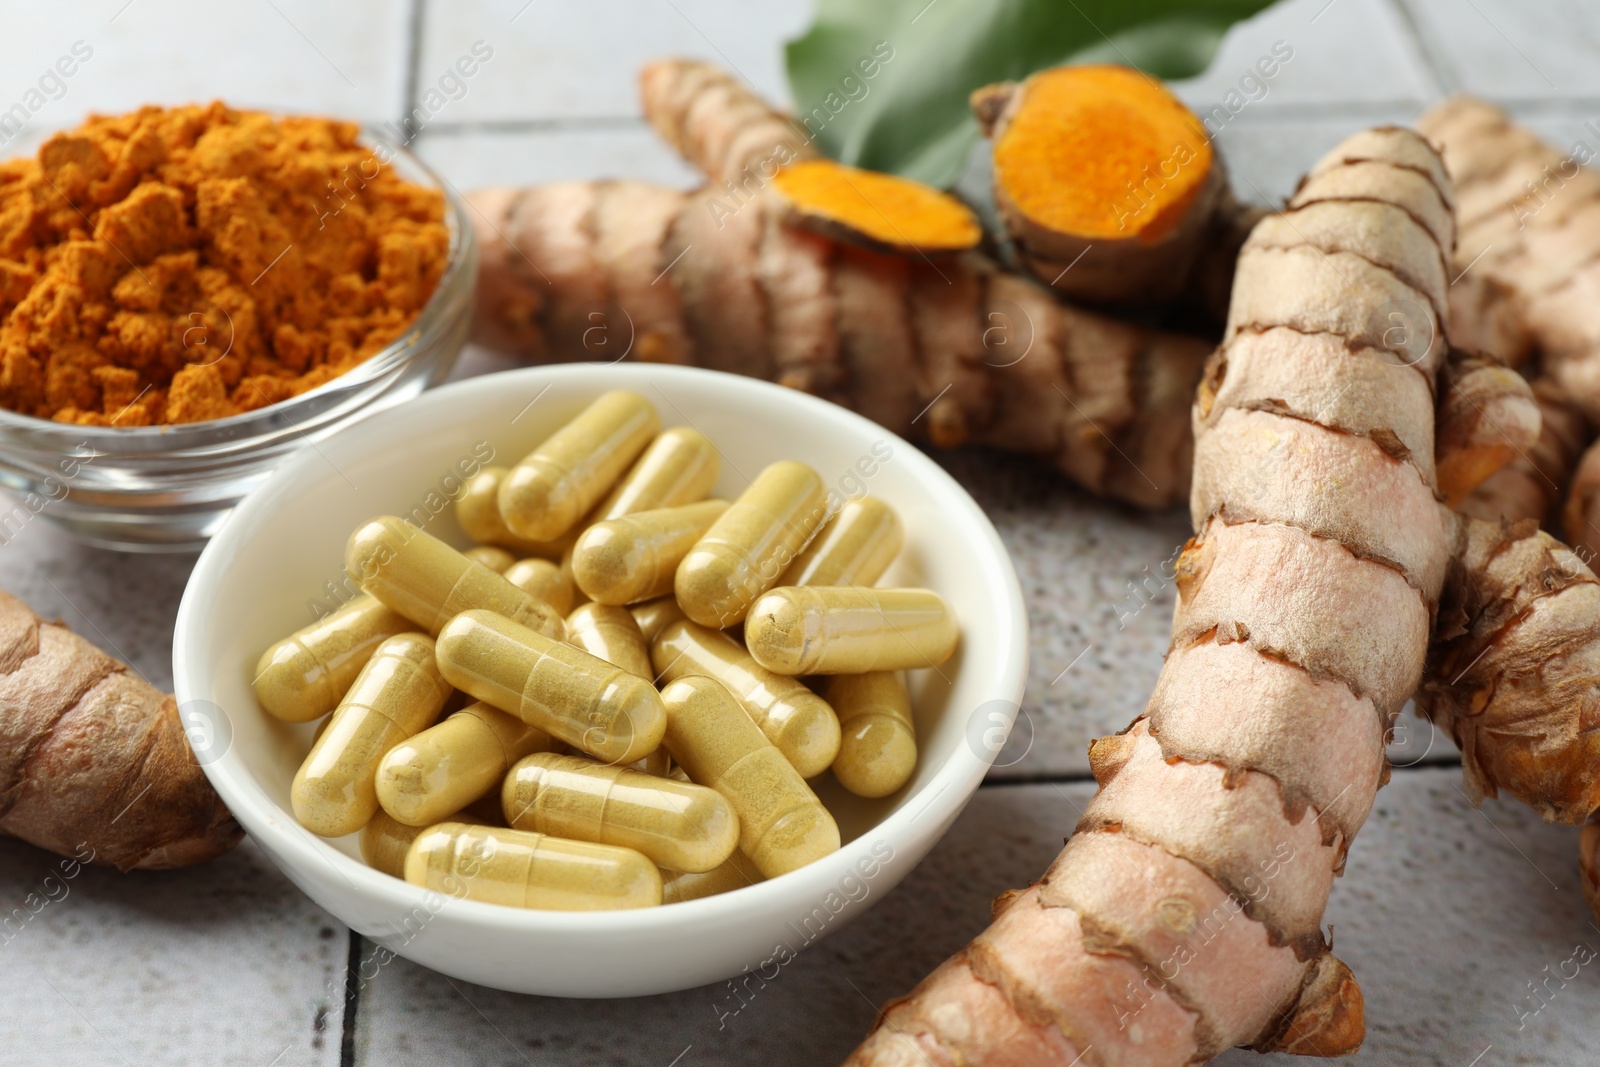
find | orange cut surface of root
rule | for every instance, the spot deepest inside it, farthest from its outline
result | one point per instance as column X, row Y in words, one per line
column 1102, row 152
column 882, row 211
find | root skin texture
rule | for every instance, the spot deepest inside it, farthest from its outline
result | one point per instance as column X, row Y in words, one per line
column 1184, row 915
column 1531, row 485
column 719, row 126
column 93, row 759
column 1488, row 417
column 954, row 351
column 1580, row 514
column 1528, row 254
column 1515, row 668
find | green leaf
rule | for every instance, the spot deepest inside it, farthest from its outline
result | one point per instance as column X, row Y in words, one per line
column 910, row 116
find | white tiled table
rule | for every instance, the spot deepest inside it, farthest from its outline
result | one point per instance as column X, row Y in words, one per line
column 1446, row 913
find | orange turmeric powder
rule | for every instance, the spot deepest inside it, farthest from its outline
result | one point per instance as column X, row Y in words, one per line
column 172, row 265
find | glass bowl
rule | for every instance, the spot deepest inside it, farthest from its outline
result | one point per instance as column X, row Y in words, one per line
column 168, row 488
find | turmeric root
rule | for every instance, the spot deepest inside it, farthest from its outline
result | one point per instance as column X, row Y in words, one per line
column 1531, row 485
column 1184, row 915
column 956, row 351
column 718, row 126
column 1105, row 181
column 1515, row 662
column 1514, row 667
column 741, row 144
column 1529, row 251
column 1487, row 418
column 1580, row 515
column 93, row 758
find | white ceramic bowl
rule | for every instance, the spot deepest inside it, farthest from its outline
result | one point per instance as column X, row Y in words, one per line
column 280, row 555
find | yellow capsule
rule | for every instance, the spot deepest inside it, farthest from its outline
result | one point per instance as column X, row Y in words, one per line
column 543, row 580
column 754, row 542
column 796, row 720
column 429, row 582
column 478, row 515
column 679, row 467
column 854, row 548
column 736, row 872
column 526, row 870
column 441, row 770
column 878, row 751
column 496, row 559
column 850, row 629
column 611, row 634
column 782, row 824
column 385, row 839
column 304, row 675
column 398, row 693
column 609, row 713
column 653, row 616
column 634, row 558
column 678, row 825
column 557, row 483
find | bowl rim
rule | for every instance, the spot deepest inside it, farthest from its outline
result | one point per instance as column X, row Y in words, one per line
column 462, row 258
column 954, row 781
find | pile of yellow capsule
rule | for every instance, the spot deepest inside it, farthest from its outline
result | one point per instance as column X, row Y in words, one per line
column 571, row 781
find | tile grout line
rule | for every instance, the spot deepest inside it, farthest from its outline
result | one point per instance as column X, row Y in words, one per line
column 1444, row 79
column 352, row 959
column 1263, row 117
column 1082, row 777
column 1041, row 778
column 352, row 963
column 352, row 1002
column 1277, row 113
column 413, row 61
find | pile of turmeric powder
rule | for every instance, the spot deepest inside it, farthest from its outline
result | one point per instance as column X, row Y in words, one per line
column 173, row 265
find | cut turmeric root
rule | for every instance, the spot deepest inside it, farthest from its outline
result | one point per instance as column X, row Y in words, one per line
column 878, row 211
column 952, row 349
column 1106, row 182
column 93, row 759
column 1203, row 865
column 742, row 146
